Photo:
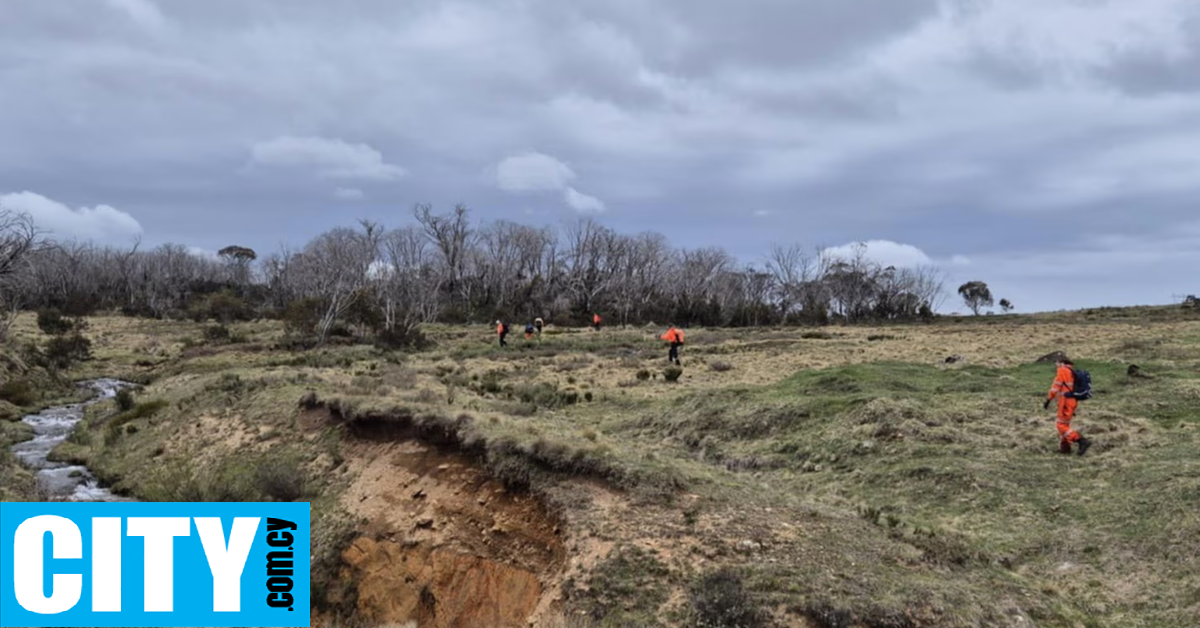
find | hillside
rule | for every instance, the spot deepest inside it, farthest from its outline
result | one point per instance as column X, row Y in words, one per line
column 846, row 476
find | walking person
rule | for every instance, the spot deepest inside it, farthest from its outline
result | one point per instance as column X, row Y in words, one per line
column 538, row 324
column 502, row 331
column 675, row 337
column 528, row 331
column 1069, row 387
column 596, row 322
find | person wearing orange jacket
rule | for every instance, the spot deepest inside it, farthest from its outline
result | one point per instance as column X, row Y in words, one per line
column 1063, row 386
column 675, row 337
column 596, row 322
column 502, row 331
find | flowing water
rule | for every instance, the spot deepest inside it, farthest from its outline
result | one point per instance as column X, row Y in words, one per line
column 59, row 481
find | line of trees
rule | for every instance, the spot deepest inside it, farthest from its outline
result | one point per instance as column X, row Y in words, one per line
column 444, row 267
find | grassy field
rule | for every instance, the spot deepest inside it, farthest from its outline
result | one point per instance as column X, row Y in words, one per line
column 843, row 476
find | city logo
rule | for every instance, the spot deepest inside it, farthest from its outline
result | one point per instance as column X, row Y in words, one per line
column 195, row 564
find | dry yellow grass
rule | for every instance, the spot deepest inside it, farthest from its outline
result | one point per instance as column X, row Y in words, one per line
column 851, row 473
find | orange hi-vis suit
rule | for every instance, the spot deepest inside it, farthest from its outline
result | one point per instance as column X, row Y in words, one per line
column 1064, row 382
column 675, row 337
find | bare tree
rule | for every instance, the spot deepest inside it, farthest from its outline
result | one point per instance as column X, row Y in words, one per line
column 334, row 270
column 454, row 239
column 407, row 282
column 19, row 239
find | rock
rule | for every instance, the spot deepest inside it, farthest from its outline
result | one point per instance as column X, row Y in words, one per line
column 443, row 467
column 954, row 359
column 748, row 546
column 419, row 494
column 1052, row 357
column 425, row 522
column 1136, row 371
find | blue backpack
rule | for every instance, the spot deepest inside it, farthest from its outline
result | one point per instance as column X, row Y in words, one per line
column 1083, row 385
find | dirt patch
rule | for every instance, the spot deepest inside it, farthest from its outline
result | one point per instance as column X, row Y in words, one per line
column 444, row 545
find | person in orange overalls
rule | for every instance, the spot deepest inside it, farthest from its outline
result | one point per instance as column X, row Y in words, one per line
column 502, row 331
column 675, row 337
column 596, row 322
column 1064, row 382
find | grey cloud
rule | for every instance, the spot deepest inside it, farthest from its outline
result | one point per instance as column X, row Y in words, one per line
column 716, row 123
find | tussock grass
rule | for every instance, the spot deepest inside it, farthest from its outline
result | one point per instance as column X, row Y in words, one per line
column 881, row 485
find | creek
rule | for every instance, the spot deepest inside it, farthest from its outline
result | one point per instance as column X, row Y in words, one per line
column 60, row 481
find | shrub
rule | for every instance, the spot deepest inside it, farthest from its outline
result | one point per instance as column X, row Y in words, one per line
column 51, row 322
column 281, row 480
column 225, row 307
column 874, row 337
column 721, row 367
column 672, row 374
column 18, row 392
column 816, row 335
column 718, row 600
column 643, row 375
column 302, row 315
column 63, row 351
column 124, row 400
column 400, row 339
column 216, row 334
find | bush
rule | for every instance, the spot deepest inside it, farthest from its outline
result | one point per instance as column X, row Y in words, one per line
column 51, row 322
column 718, row 600
column 125, row 400
column 18, row 392
column 643, row 375
column 216, row 334
column 412, row 339
column 63, row 351
column 817, row 335
column 281, row 480
column 672, row 374
column 302, row 315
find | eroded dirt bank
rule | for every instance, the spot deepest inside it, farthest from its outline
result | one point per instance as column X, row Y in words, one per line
column 443, row 545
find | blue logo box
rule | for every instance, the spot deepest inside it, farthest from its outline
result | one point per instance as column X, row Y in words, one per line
column 195, row 564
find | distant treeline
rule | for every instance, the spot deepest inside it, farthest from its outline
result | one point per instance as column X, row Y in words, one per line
column 446, row 268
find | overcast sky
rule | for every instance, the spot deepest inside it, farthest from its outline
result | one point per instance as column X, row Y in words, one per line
column 1048, row 147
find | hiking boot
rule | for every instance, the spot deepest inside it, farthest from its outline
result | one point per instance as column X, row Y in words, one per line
column 1083, row 445
column 1064, row 446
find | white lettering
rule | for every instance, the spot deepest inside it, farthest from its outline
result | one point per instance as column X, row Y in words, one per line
column 106, row 564
column 66, row 542
column 227, row 564
column 160, row 533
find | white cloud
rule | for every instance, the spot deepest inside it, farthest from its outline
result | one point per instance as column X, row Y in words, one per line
column 763, row 213
column 332, row 158
column 533, row 171
column 884, row 252
column 538, row 172
column 201, row 252
column 960, row 260
column 581, row 202
column 100, row 223
column 349, row 194
column 143, row 12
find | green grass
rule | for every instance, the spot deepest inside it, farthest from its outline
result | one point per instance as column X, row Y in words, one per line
column 880, row 483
